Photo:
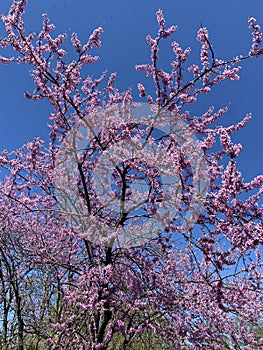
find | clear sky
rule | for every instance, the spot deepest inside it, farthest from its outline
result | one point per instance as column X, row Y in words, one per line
column 126, row 24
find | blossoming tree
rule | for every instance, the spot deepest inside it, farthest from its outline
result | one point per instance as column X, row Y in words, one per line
column 130, row 230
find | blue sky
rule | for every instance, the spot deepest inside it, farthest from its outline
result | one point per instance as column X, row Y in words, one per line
column 126, row 24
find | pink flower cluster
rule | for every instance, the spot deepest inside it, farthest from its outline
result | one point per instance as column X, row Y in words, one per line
column 197, row 288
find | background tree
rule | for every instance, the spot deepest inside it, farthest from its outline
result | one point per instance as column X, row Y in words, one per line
column 186, row 286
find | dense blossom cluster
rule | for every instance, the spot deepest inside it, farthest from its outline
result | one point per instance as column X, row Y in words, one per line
column 197, row 288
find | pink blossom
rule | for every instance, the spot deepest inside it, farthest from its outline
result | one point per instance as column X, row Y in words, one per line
column 187, row 286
